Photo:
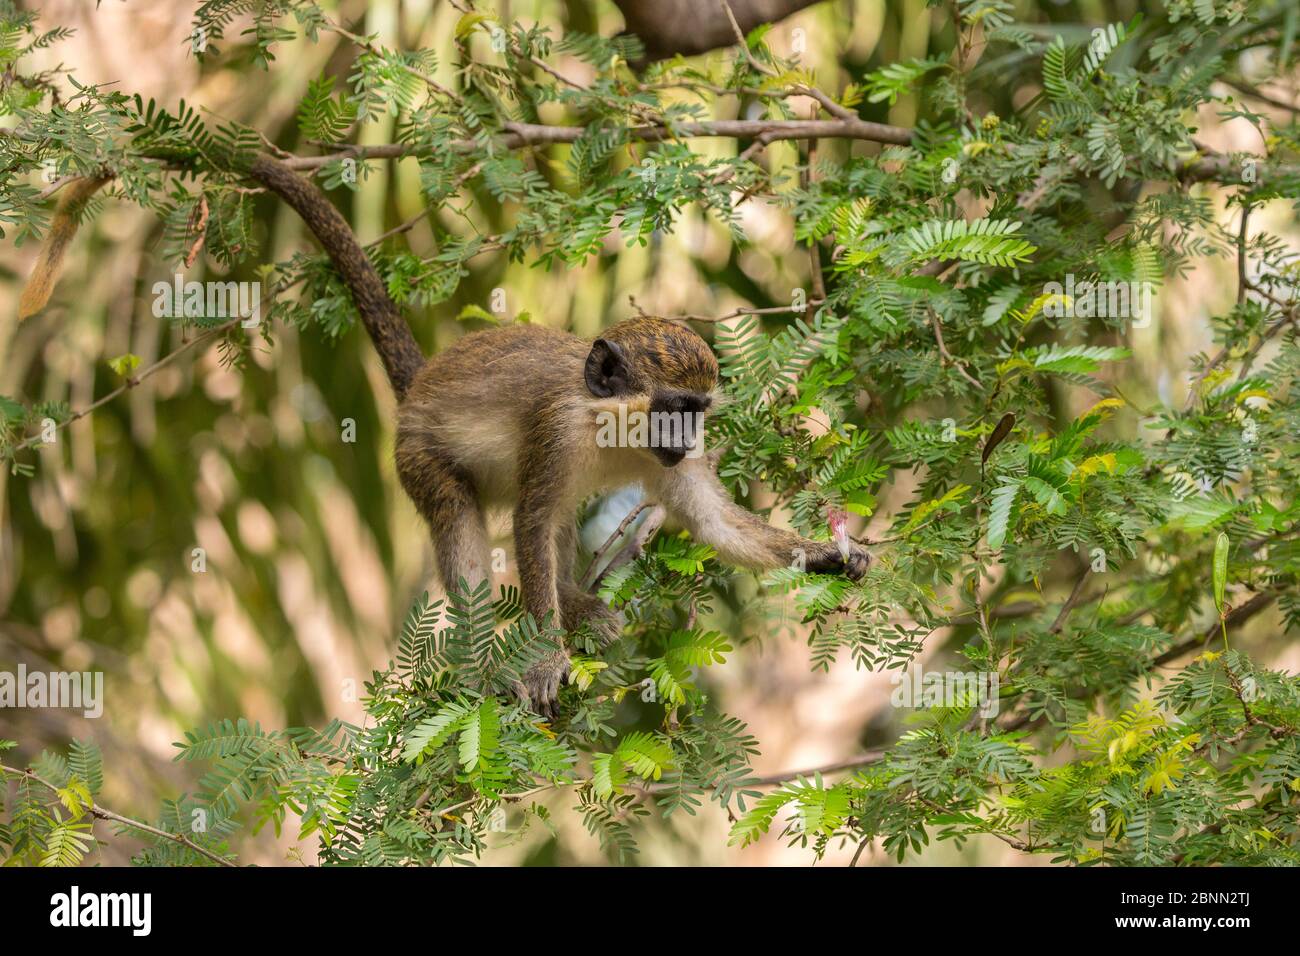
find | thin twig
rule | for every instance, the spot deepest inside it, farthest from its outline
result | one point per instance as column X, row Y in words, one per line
column 1071, row 603
column 814, row 249
column 1254, row 92
column 54, row 187
column 618, row 533
column 105, row 814
column 376, row 51
column 1237, row 615
column 947, row 356
column 520, row 135
column 1243, row 237
column 800, row 89
column 130, row 383
column 769, row 780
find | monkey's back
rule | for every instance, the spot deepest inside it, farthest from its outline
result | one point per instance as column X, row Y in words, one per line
column 509, row 365
column 472, row 402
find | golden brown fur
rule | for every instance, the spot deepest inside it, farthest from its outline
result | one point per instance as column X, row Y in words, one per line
column 506, row 417
column 67, row 217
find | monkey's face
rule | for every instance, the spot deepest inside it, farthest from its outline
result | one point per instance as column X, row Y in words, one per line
column 677, row 425
column 664, row 374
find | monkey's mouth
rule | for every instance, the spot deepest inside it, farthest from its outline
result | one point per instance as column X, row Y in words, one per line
column 668, row 457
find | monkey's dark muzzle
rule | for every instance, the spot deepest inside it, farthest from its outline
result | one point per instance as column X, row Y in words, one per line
column 668, row 457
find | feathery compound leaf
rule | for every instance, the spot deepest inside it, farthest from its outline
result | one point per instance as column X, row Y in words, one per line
column 1104, row 41
column 1001, row 501
column 416, row 647
column 1075, row 359
column 696, row 648
column 1000, row 302
column 988, row 241
column 1058, row 63
column 758, row 820
column 87, row 765
column 895, row 80
column 66, row 844
column 480, row 735
column 432, row 732
column 644, row 754
column 607, row 774
column 325, row 117
column 225, row 738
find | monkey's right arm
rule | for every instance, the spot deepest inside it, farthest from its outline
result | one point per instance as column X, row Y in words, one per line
column 693, row 495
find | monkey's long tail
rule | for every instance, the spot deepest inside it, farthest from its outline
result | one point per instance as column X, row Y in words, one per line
column 63, row 227
column 389, row 332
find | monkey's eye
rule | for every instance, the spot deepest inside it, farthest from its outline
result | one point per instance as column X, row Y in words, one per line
column 682, row 403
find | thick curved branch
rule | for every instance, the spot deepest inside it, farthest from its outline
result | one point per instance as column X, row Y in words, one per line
column 669, row 27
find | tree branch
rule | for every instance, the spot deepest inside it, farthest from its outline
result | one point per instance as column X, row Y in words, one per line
column 1237, row 615
column 105, row 814
column 520, row 135
column 669, row 27
column 130, row 383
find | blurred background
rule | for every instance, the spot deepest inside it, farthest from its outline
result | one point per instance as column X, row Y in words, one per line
column 313, row 553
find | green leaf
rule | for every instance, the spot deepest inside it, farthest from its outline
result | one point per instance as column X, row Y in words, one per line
column 124, row 365
column 468, row 21
column 325, row 117
column 892, row 81
column 607, row 774
column 12, row 411
column 87, row 765
column 1075, row 359
column 1001, row 501
column 988, row 241
column 1197, row 512
column 480, row 736
column 758, row 820
column 1045, row 495
column 430, row 734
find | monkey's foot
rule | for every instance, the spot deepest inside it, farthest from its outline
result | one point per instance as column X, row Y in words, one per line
column 577, row 608
column 540, row 688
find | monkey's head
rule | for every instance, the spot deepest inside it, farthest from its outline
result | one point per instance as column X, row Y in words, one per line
column 663, row 368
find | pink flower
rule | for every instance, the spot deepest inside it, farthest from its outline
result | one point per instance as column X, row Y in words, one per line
column 839, row 522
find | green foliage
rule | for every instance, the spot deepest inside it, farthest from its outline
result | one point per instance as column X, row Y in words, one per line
column 985, row 240
column 323, row 116
column 1080, row 559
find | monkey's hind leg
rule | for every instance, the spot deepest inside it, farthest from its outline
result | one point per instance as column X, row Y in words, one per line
column 579, row 607
column 449, row 503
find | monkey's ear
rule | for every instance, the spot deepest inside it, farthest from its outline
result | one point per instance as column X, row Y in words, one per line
column 607, row 370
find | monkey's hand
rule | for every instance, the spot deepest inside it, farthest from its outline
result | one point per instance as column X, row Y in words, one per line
column 825, row 558
column 540, row 688
column 579, row 607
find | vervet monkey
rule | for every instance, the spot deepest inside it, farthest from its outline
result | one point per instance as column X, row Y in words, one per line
column 510, row 417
